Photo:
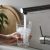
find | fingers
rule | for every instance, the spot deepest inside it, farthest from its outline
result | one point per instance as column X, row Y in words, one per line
column 14, row 37
column 20, row 39
column 10, row 40
column 30, row 36
column 15, row 33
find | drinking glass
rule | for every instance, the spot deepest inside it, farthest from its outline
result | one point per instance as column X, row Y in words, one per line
column 25, row 32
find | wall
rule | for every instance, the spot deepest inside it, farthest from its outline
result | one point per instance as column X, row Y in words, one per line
column 24, row 3
column 38, row 18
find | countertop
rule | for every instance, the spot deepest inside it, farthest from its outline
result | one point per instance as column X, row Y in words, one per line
column 6, row 47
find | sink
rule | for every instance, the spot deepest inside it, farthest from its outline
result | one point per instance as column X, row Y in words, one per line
column 5, row 47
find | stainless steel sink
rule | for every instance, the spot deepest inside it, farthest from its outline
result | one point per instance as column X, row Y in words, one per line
column 5, row 47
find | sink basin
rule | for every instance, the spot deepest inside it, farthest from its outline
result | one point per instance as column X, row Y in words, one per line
column 5, row 47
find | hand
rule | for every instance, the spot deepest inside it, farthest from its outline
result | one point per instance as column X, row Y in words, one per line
column 17, row 36
column 11, row 39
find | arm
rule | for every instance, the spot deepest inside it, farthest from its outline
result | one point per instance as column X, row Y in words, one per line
column 7, row 39
column 10, row 39
column 2, row 37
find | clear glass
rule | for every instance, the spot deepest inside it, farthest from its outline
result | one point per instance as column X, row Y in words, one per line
column 24, row 34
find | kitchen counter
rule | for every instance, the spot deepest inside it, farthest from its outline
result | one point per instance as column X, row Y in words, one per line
column 5, row 47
